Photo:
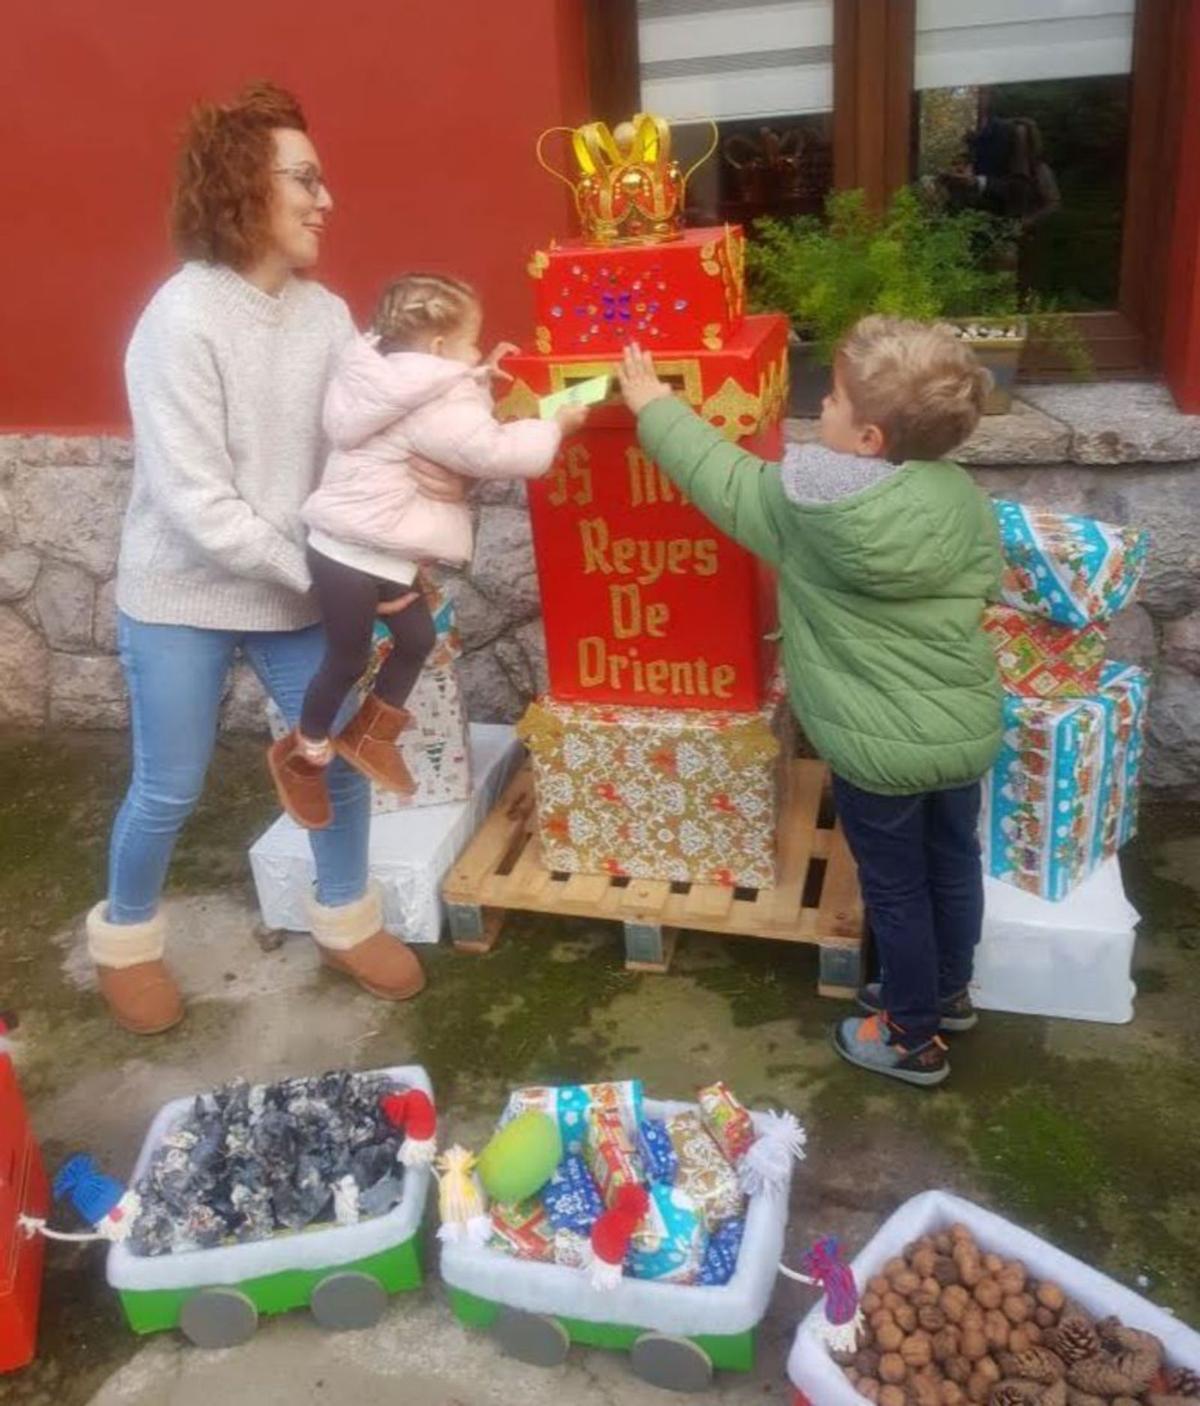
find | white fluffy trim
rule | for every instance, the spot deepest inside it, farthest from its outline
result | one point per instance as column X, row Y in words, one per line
column 348, row 924
column 121, row 945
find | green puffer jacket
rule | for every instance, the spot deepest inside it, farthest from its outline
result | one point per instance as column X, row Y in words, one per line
column 880, row 601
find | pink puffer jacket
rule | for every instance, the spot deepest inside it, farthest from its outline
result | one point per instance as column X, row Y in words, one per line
column 380, row 413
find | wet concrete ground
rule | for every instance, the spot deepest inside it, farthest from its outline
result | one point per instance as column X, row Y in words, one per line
column 1086, row 1133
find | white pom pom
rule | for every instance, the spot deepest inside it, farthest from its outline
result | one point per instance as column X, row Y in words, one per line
column 767, row 1165
column 843, row 1337
column 479, row 1230
column 418, row 1152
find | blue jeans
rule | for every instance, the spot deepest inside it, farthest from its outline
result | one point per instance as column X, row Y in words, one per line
column 922, row 884
column 176, row 675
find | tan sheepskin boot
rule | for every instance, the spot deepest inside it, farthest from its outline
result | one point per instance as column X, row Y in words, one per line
column 368, row 743
column 141, row 993
column 352, row 941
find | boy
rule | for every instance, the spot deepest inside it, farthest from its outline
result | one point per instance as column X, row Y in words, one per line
column 886, row 556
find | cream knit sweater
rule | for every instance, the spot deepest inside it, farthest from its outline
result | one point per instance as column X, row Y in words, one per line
column 225, row 387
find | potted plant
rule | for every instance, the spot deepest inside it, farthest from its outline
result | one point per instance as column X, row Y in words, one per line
column 911, row 260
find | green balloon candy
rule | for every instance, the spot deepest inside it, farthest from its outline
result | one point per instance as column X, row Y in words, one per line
column 520, row 1158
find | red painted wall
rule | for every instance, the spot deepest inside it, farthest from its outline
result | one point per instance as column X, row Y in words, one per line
column 1181, row 348
column 425, row 115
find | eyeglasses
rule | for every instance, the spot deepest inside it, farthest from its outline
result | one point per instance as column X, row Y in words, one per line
column 307, row 176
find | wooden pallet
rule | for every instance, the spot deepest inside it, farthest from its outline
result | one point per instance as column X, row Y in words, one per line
column 817, row 898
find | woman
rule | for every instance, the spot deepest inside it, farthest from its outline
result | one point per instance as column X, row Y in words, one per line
column 225, row 373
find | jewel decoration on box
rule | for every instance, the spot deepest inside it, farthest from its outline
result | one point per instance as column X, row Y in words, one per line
column 1040, row 658
column 1062, row 795
column 1071, row 569
column 628, row 188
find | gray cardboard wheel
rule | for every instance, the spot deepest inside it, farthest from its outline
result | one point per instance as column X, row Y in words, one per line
column 530, row 1338
column 214, row 1318
column 342, row 1302
column 675, row 1364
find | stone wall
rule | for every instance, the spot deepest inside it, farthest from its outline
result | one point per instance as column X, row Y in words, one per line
column 1118, row 452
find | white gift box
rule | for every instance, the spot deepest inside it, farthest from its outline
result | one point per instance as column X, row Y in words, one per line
column 411, row 849
column 1069, row 959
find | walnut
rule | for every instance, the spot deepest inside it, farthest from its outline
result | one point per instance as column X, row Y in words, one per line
column 917, row 1350
column 924, row 1260
column 953, row 1394
column 1045, row 1317
column 1019, row 1340
column 989, row 1368
column 889, row 1337
column 906, row 1283
column 958, row 1369
column 995, row 1325
column 933, row 1320
column 961, row 1235
column 867, row 1387
column 866, row 1362
column 988, row 1293
column 1013, row 1278
column 1034, row 1333
column 1051, row 1296
column 1017, row 1309
column 892, row 1368
column 926, row 1390
column 942, row 1243
column 945, row 1271
column 906, row 1317
column 877, row 1284
column 993, row 1264
column 946, row 1344
column 979, row 1387
column 954, row 1302
column 892, row 1396
column 880, row 1318
column 895, row 1266
column 974, row 1344
column 893, row 1300
column 870, row 1303
column 929, row 1292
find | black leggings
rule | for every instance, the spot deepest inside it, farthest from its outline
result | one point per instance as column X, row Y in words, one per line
column 349, row 601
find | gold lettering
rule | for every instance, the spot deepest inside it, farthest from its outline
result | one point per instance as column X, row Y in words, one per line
column 723, row 678
column 653, row 557
column 658, row 671
column 647, row 482
column 679, row 551
column 682, row 678
column 706, row 557
column 657, row 616
column 626, row 603
column 624, row 550
column 571, row 478
column 594, row 535
column 591, row 662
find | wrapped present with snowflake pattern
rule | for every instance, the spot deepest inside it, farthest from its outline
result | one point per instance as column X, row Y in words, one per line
column 1063, row 794
column 656, row 793
column 1071, row 569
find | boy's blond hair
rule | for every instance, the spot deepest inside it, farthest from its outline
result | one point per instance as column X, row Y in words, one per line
column 418, row 306
column 918, row 381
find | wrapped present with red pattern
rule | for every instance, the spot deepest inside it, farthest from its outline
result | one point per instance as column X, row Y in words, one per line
column 523, row 1230
column 610, row 1154
column 1040, row 658
column 728, row 1122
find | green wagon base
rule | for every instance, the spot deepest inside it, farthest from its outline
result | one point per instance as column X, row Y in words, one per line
column 158, row 1310
column 732, row 1353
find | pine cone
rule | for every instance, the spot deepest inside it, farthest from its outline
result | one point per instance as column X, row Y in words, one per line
column 1036, row 1364
column 1074, row 1339
column 1055, row 1394
column 1015, row 1393
column 1154, row 1398
column 1083, row 1398
column 1100, row 1376
column 1138, row 1355
column 1184, row 1382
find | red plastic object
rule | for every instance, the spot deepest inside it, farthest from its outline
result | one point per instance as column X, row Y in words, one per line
column 23, row 1189
column 644, row 601
column 688, row 292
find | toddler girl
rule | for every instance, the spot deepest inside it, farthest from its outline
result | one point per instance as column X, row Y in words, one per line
column 413, row 390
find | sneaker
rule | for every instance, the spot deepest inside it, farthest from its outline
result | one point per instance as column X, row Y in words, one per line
column 958, row 1012
column 872, row 1043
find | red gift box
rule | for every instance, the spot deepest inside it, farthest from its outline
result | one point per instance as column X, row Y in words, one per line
column 610, row 1155
column 643, row 600
column 23, row 1191
column 523, row 1230
column 1039, row 658
column 684, row 293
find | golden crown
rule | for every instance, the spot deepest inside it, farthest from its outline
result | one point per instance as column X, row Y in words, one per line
column 628, row 188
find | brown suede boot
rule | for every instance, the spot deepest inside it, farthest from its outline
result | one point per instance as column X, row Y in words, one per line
column 302, row 789
column 368, row 743
column 352, row 941
column 140, row 992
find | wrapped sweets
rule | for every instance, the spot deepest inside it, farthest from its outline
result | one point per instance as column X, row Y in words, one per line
column 610, row 1154
column 657, row 1154
column 704, row 1172
column 571, row 1103
column 523, row 1230
column 720, row 1259
column 572, row 1250
column 727, row 1121
column 669, row 1245
column 572, row 1198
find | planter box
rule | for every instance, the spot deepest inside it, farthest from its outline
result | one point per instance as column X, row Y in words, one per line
column 999, row 344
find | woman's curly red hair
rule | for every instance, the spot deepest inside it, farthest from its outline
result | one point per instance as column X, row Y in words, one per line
column 221, row 206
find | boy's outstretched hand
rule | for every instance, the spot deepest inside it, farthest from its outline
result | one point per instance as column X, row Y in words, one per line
column 639, row 380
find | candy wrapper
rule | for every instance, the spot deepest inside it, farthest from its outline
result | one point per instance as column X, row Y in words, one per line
column 523, row 1230
column 730, row 1124
column 572, row 1198
column 704, row 1172
column 570, row 1104
column 657, row 1154
column 1041, row 659
column 572, row 1249
column 1068, row 568
column 670, row 1243
column 610, row 1154
column 720, row 1259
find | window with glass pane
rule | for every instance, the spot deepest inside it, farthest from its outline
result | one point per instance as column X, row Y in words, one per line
column 763, row 71
column 1023, row 111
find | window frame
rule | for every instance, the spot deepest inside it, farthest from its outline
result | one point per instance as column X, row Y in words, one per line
column 874, row 113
